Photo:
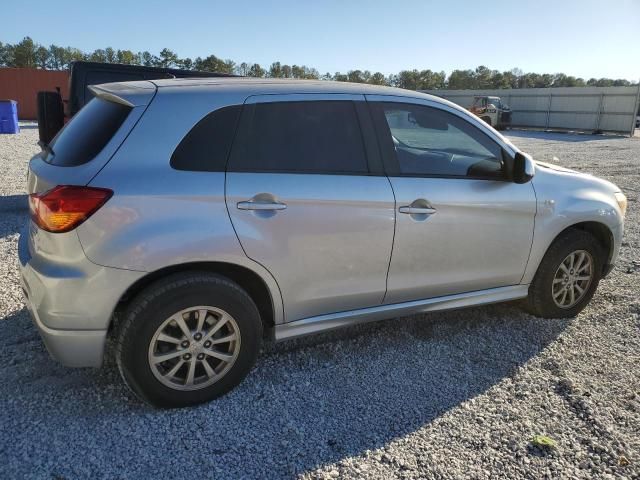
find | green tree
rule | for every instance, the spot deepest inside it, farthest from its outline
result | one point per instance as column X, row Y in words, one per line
column 461, row 79
column 73, row 55
column 185, row 63
column 56, row 57
column 275, row 70
column 168, row 58
column 24, row 54
column 98, row 55
column 256, row 71
column 6, row 54
column 340, row 77
column 109, row 55
column 42, row 57
column 214, row 64
column 126, row 57
column 243, row 69
column 356, row 76
column 378, row 79
column 29, row 54
column 147, row 59
column 621, row 82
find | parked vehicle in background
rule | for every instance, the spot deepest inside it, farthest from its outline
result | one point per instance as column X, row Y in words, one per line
column 288, row 208
column 52, row 113
column 492, row 111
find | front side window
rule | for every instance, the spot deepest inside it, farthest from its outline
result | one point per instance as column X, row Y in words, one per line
column 432, row 142
column 300, row 137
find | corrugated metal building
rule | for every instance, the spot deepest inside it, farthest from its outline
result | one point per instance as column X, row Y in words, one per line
column 22, row 85
column 607, row 109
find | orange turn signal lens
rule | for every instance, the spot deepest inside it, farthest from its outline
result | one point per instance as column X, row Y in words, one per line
column 64, row 207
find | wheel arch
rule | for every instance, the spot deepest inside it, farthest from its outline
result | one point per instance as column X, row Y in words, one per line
column 600, row 231
column 267, row 300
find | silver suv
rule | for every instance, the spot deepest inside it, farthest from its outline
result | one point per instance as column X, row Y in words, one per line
column 187, row 220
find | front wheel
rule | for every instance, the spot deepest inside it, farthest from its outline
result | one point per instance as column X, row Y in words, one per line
column 567, row 277
column 188, row 339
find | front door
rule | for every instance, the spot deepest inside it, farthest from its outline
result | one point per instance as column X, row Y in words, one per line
column 461, row 224
column 306, row 204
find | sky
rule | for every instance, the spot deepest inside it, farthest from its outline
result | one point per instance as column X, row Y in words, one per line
column 584, row 38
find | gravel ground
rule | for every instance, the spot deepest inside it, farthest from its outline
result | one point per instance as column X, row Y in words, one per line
column 449, row 395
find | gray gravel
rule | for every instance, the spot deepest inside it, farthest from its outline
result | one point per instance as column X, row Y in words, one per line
column 450, row 395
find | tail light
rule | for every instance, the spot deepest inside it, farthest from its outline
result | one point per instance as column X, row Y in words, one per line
column 64, row 207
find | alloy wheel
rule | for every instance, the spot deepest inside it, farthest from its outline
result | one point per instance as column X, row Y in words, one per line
column 572, row 279
column 194, row 348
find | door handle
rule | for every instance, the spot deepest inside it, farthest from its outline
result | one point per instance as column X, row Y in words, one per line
column 261, row 206
column 417, row 210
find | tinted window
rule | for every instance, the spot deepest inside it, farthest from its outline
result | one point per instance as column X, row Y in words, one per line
column 305, row 137
column 87, row 133
column 206, row 147
column 429, row 141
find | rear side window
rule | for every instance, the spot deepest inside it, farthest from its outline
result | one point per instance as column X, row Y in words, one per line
column 206, row 147
column 300, row 137
column 87, row 133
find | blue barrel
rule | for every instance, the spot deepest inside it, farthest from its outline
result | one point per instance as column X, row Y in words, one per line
column 9, row 116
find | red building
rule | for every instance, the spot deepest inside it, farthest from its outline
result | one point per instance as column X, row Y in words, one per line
column 22, row 85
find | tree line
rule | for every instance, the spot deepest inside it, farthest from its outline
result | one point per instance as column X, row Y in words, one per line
column 29, row 54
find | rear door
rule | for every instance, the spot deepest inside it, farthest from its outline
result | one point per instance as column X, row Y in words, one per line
column 462, row 225
column 308, row 200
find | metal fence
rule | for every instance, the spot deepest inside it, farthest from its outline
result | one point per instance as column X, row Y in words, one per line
column 597, row 109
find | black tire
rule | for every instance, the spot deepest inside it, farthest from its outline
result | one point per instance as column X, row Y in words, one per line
column 50, row 115
column 147, row 312
column 540, row 300
column 487, row 120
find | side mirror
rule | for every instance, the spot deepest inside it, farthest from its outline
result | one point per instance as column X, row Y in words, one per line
column 523, row 168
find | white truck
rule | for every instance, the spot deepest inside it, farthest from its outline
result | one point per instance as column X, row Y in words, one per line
column 492, row 110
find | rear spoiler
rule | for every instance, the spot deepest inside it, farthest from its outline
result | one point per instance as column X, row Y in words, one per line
column 131, row 94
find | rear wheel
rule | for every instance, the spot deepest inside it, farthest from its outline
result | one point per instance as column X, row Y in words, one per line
column 188, row 339
column 567, row 277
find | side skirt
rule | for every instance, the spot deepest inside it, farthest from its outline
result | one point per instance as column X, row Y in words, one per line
column 321, row 323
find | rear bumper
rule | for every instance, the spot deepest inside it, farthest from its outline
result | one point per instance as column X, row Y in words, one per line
column 72, row 348
column 71, row 303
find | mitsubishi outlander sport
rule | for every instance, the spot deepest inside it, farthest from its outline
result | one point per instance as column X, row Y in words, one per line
column 189, row 219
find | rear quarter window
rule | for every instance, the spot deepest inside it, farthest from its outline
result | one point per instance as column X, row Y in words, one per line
column 207, row 145
column 88, row 132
